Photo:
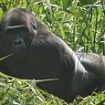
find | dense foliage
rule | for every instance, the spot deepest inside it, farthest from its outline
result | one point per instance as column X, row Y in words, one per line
column 81, row 26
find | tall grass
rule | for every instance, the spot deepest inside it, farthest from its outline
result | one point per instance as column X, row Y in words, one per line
column 81, row 26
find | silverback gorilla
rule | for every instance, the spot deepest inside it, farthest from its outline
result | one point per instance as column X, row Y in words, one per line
column 39, row 54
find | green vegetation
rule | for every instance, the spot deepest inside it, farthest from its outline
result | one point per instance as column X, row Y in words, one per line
column 80, row 24
column 24, row 92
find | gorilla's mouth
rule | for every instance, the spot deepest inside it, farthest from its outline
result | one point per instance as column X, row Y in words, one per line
column 19, row 51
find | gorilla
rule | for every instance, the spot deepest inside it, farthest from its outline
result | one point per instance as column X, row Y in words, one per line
column 36, row 53
column 93, row 63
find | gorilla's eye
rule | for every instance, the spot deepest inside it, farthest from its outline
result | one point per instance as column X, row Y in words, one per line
column 23, row 30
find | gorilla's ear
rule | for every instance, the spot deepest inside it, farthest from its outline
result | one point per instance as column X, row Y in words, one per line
column 0, row 35
column 34, row 25
column 0, row 30
column 0, row 27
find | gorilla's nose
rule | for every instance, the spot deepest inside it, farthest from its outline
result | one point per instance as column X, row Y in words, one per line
column 17, row 42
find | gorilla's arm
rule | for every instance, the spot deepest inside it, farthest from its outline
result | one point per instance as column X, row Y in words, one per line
column 73, row 71
column 92, row 62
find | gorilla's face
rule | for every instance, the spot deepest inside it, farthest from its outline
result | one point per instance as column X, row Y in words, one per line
column 17, row 33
